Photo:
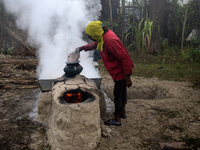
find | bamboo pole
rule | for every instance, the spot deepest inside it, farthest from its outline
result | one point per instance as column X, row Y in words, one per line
column 184, row 25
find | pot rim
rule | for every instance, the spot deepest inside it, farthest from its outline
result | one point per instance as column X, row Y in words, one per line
column 71, row 63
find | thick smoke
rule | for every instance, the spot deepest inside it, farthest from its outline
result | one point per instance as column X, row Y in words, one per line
column 56, row 28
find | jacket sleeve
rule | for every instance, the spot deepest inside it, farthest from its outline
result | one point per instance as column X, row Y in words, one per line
column 118, row 50
column 90, row 46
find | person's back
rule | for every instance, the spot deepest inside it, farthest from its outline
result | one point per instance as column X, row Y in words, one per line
column 115, row 57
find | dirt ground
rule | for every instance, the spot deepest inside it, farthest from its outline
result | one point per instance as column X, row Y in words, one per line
column 158, row 111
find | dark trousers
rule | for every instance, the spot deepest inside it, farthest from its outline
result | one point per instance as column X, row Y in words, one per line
column 120, row 94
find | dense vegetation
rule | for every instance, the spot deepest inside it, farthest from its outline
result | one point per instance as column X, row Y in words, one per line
column 153, row 25
column 160, row 28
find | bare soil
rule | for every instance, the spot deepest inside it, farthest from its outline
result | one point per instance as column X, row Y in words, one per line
column 158, row 111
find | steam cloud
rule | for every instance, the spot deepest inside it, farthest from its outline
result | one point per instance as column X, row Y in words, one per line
column 55, row 27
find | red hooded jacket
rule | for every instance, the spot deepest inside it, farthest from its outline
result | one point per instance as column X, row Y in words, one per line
column 114, row 56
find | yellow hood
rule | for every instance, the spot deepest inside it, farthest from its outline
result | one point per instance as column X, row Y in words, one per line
column 94, row 29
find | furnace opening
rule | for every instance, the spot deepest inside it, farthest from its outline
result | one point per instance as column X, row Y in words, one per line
column 76, row 96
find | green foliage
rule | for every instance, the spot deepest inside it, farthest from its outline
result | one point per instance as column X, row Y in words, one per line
column 177, row 72
column 178, row 65
column 188, row 55
column 164, row 45
column 163, row 67
column 171, row 23
column 129, row 29
column 194, row 41
column 108, row 25
column 10, row 51
column 138, row 35
column 193, row 16
column 174, row 21
column 146, row 35
column 172, row 51
column 143, row 36
column 191, row 55
column 128, row 33
column 163, row 64
column 2, row 51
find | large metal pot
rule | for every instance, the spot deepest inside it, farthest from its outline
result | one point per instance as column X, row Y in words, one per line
column 72, row 69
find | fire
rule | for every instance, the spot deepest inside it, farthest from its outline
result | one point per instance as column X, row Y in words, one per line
column 73, row 98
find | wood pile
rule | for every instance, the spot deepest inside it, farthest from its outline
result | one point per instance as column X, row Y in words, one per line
column 18, row 72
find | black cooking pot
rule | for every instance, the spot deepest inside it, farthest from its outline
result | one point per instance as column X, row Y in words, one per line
column 72, row 69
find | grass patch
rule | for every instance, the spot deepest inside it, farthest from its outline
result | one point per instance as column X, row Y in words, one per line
column 176, row 72
column 164, row 67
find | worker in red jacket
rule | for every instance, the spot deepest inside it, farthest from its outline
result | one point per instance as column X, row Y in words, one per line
column 117, row 62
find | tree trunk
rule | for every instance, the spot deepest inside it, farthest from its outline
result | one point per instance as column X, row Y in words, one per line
column 110, row 7
column 157, row 11
column 184, row 25
column 122, row 20
column 1, row 28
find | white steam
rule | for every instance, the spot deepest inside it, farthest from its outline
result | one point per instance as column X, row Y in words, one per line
column 55, row 27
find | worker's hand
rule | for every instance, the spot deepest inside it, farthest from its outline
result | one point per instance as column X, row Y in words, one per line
column 78, row 49
column 128, row 81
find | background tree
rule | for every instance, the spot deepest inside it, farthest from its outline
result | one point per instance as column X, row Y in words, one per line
column 122, row 19
column 156, row 10
column 105, row 10
column 110, row 8
column 193, row 21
